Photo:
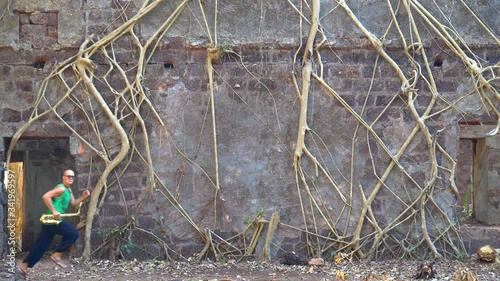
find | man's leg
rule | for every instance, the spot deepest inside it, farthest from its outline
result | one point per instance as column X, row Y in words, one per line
column 70, row 235
column 41, row 245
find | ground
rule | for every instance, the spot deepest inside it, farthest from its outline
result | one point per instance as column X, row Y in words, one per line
column 217, row 271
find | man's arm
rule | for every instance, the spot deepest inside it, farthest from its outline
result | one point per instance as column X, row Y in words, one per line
column 47, row 199
column 76, row 202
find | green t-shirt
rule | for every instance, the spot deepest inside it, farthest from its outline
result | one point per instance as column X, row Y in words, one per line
column 61, row 203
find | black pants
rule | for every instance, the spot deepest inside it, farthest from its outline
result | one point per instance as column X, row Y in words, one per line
column 69, row 233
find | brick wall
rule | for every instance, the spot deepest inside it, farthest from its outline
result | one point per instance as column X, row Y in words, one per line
column 38, row 29
column 177, row 83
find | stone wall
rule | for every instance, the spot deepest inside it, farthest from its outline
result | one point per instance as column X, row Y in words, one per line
column 256, row 107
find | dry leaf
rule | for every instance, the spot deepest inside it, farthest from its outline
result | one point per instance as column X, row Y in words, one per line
column 340, row 275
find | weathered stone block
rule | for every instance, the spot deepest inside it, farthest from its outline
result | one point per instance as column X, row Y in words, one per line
column 28, row 31
column 39, row 18
column 24, row 85
column 9, row 28
column 5, row 70
column 369, row 71
column 384, row 100
column 111, row 222
column 52, row 32
column 26, row 114
column 24, row 18
column 262, row 85
column 446, row 86
column 146, row 222
column 112, row 210
column 350, row 99
column 364, row 100
column 24, row 71
column 393, row 85
column 10, row 115
column 8, row 86
column 52, row 19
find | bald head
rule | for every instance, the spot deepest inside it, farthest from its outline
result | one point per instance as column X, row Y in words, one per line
column 68, row 177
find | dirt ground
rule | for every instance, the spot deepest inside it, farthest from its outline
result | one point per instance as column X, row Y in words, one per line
column 216, row 271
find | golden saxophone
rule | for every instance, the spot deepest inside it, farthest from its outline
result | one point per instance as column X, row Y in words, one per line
column 49, row 218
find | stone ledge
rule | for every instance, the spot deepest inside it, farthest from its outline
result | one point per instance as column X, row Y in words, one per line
column 477, row 235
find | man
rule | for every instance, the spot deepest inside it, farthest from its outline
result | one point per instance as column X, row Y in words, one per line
column 57, row 200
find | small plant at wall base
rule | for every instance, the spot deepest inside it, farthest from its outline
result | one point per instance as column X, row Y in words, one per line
column 467, row 212
column 467, row 208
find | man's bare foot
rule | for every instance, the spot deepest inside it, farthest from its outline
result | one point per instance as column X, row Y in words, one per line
column 21, row 272
column 57, row 260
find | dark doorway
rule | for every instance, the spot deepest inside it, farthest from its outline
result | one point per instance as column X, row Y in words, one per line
column 477, row 174
column 39, row 163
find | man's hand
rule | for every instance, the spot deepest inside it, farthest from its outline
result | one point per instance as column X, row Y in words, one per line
column 57, row 215
column 85, row 194
column 79, row 200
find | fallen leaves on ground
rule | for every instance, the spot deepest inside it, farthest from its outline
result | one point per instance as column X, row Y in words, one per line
column 251, row 270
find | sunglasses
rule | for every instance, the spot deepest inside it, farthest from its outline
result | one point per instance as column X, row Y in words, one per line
column 70, row 177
